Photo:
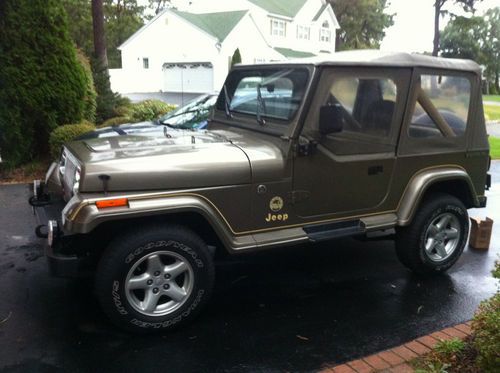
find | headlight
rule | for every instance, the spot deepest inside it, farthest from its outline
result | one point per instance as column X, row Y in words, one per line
column 76, row 182
column 62, row 163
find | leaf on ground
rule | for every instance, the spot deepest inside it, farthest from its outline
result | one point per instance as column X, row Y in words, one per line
column 6, row 319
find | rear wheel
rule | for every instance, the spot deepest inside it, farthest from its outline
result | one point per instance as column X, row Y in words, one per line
column 155, row 278
column 436, row 238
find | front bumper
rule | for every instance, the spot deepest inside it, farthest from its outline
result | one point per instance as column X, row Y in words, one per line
column 61, row 250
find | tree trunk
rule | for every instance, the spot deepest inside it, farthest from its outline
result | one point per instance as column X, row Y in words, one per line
column 338, row 41
column 437, row 14
column 100, row 52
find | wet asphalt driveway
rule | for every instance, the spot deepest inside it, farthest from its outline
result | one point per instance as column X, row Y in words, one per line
column 270, row 312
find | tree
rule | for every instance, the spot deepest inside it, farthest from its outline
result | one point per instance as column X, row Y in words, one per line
column 475, row 38
column 362, row 23
column 122, row 18
column 463, row 38
column 236, row 57
column 158, row 5
column 105, row 97
column 80, row 24
column 439, row 10
column 42, row 83
column 100, row 51
column 492, row 46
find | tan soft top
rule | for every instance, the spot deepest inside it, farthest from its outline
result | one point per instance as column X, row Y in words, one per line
column 388, row 59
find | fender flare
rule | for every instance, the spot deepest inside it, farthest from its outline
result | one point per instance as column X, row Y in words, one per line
column 422, row 181
column 85, row 216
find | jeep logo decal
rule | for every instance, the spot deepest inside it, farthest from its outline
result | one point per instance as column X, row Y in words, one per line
column 276, row 204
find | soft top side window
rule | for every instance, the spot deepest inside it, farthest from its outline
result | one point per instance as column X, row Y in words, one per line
column 368, row 109
column 442, row 106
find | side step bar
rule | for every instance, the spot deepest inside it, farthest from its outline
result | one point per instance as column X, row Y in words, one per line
column 321, row 232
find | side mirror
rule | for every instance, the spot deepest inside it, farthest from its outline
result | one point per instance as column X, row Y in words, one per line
column 331, row 119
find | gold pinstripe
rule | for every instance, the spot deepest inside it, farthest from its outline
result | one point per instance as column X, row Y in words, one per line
column 75, row 212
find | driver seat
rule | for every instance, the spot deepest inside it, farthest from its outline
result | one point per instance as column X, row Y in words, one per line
column 378, row 117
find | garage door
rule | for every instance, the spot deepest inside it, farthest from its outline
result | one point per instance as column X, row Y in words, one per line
column 195, row 77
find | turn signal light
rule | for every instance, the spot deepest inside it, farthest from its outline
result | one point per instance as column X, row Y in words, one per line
column 120, row 202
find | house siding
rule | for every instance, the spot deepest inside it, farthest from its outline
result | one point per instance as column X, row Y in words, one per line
column 172, row 39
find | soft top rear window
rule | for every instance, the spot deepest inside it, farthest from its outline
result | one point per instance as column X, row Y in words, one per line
column 271, row 93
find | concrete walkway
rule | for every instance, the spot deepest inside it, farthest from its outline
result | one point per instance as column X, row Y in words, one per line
column 494, row 103
column 493, row 128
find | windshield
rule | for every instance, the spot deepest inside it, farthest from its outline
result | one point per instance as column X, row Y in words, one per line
column 193, row 115
column 271, row 93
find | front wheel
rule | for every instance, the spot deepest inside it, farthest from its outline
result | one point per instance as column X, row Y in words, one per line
column 154, row 279
column 436, row 238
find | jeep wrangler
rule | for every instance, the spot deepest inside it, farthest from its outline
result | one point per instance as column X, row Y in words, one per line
column 363, row 144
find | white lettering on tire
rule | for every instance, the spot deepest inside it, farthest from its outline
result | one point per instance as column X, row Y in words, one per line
column 116, row 298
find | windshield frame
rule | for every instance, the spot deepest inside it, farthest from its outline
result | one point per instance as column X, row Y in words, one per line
column 272, row 124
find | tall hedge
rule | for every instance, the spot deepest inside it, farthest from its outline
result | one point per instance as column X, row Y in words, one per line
column 42, row 84
column 90, row 104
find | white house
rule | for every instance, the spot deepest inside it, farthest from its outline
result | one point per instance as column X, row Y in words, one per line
column 189, row 49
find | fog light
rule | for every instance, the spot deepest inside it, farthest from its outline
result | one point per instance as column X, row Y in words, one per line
column 52, row 231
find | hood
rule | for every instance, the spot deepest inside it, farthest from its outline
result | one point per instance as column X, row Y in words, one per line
column 159, row 158
column 142, row 128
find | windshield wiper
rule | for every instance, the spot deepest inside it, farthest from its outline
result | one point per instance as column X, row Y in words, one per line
column 260, row 105
column 227, row 102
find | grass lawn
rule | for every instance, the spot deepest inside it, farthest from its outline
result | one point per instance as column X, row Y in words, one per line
column 491, row 112
column 494, row 147
column 491, row 98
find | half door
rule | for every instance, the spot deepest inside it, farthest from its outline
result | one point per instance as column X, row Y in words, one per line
column 349, row 172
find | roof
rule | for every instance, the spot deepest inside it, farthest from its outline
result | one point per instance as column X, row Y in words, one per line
column 219, row 25
column 290, row 53
column 390, row 59
column 287, row 8
column 320, row 11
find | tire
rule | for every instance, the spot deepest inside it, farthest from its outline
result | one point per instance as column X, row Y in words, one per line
column 153, row 279
column 436, row 238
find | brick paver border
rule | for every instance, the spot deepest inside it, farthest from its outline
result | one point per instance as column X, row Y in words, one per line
column 395, row 360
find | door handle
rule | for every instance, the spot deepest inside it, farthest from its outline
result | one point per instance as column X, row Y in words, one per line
column 375, row 170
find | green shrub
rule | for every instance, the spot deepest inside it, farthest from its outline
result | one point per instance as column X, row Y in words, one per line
column 89, row 100
column 450, row 348
column 149, row 110
column 66, row 133
column 116, row 121
column 236, row 59
column 122, row 101
column 42, row 83
column 123, row 111
column 443, row 356
column 496, row 271
column 107, row 100
column 486, row 327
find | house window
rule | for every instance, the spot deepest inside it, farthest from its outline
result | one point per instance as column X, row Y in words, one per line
column 145, row 63
column 278, row 28
column 325, row 35
column 303, row 32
